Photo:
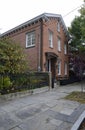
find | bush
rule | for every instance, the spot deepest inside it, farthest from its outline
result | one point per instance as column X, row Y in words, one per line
column 5, row 84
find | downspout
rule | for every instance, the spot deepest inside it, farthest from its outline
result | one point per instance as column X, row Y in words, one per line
column 40, row 46
column 39, row 67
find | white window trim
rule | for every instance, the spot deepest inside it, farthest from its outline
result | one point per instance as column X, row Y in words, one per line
column 31, row 36
column 50, row 39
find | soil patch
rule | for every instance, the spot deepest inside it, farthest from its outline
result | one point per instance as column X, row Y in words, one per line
column 76, row 96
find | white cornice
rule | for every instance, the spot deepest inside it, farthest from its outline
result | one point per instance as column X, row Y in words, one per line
column 45, row 16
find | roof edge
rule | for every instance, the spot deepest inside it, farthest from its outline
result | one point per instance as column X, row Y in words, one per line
column 43, row 15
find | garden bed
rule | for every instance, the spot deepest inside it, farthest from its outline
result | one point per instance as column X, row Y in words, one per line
column 76, row 96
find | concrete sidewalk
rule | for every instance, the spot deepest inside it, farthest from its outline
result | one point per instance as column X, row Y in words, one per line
column 44, row 111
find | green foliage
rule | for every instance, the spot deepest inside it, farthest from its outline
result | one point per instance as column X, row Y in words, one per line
column 76, row 32
column 82, row 16
column 12, row 57
column 20, row 80
column 77, row 29
column 5, row 82
column 77, row 45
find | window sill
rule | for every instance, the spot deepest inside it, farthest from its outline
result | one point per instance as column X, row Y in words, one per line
column 59, row 51
column 58, row 31
column 59, row 74
column 51, row 47
column 30, row 46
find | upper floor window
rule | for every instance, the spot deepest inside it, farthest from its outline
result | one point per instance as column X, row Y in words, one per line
column 58, row 27
column 51, row 39
column 30, row 39
column 65, row 48
column 59, row 44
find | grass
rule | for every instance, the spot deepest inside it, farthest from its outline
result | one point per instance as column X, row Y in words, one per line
column 76, row 96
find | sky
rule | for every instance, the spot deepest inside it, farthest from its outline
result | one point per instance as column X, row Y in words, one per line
column 16, row 12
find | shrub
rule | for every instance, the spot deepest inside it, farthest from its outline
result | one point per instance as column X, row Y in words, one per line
column 5, row 84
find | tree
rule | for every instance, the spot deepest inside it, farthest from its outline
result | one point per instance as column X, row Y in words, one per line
column 12, row 57
column 77, row 45
column 75, row 32
column 82, row 12
column 77, row 29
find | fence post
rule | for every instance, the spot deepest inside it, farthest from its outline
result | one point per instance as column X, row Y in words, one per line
column 50, row 80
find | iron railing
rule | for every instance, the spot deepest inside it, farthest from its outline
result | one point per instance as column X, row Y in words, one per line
column 24, row 81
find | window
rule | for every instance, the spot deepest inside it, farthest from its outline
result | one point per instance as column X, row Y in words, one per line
column 65, row 48
column 65, row 68
column 58, row 27
column 59, row 68
column 59, row 44
column 51, row 39
column 30, row 39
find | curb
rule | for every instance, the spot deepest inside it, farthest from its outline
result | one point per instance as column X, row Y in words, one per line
column 12, row 96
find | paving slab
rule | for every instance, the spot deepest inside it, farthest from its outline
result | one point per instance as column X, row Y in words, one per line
column 56, row 122
column 6, row 122
column 40, row 122
column 27, row 112
column 41, row 111
column 65, row 126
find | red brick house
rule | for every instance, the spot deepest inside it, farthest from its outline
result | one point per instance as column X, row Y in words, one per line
column 45, row 39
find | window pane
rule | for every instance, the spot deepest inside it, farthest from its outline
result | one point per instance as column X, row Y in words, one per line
column 30, row 39
column 58, row 27
column 65, row 48
column 50, row 39
column 59, row 44
column 65, row 68
column 33, row 38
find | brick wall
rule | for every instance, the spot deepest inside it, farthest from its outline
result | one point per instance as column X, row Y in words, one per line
column 52, row 25
column 33, row 52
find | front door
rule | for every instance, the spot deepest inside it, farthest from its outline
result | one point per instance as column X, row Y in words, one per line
column 52, row 69
column 51, row 66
